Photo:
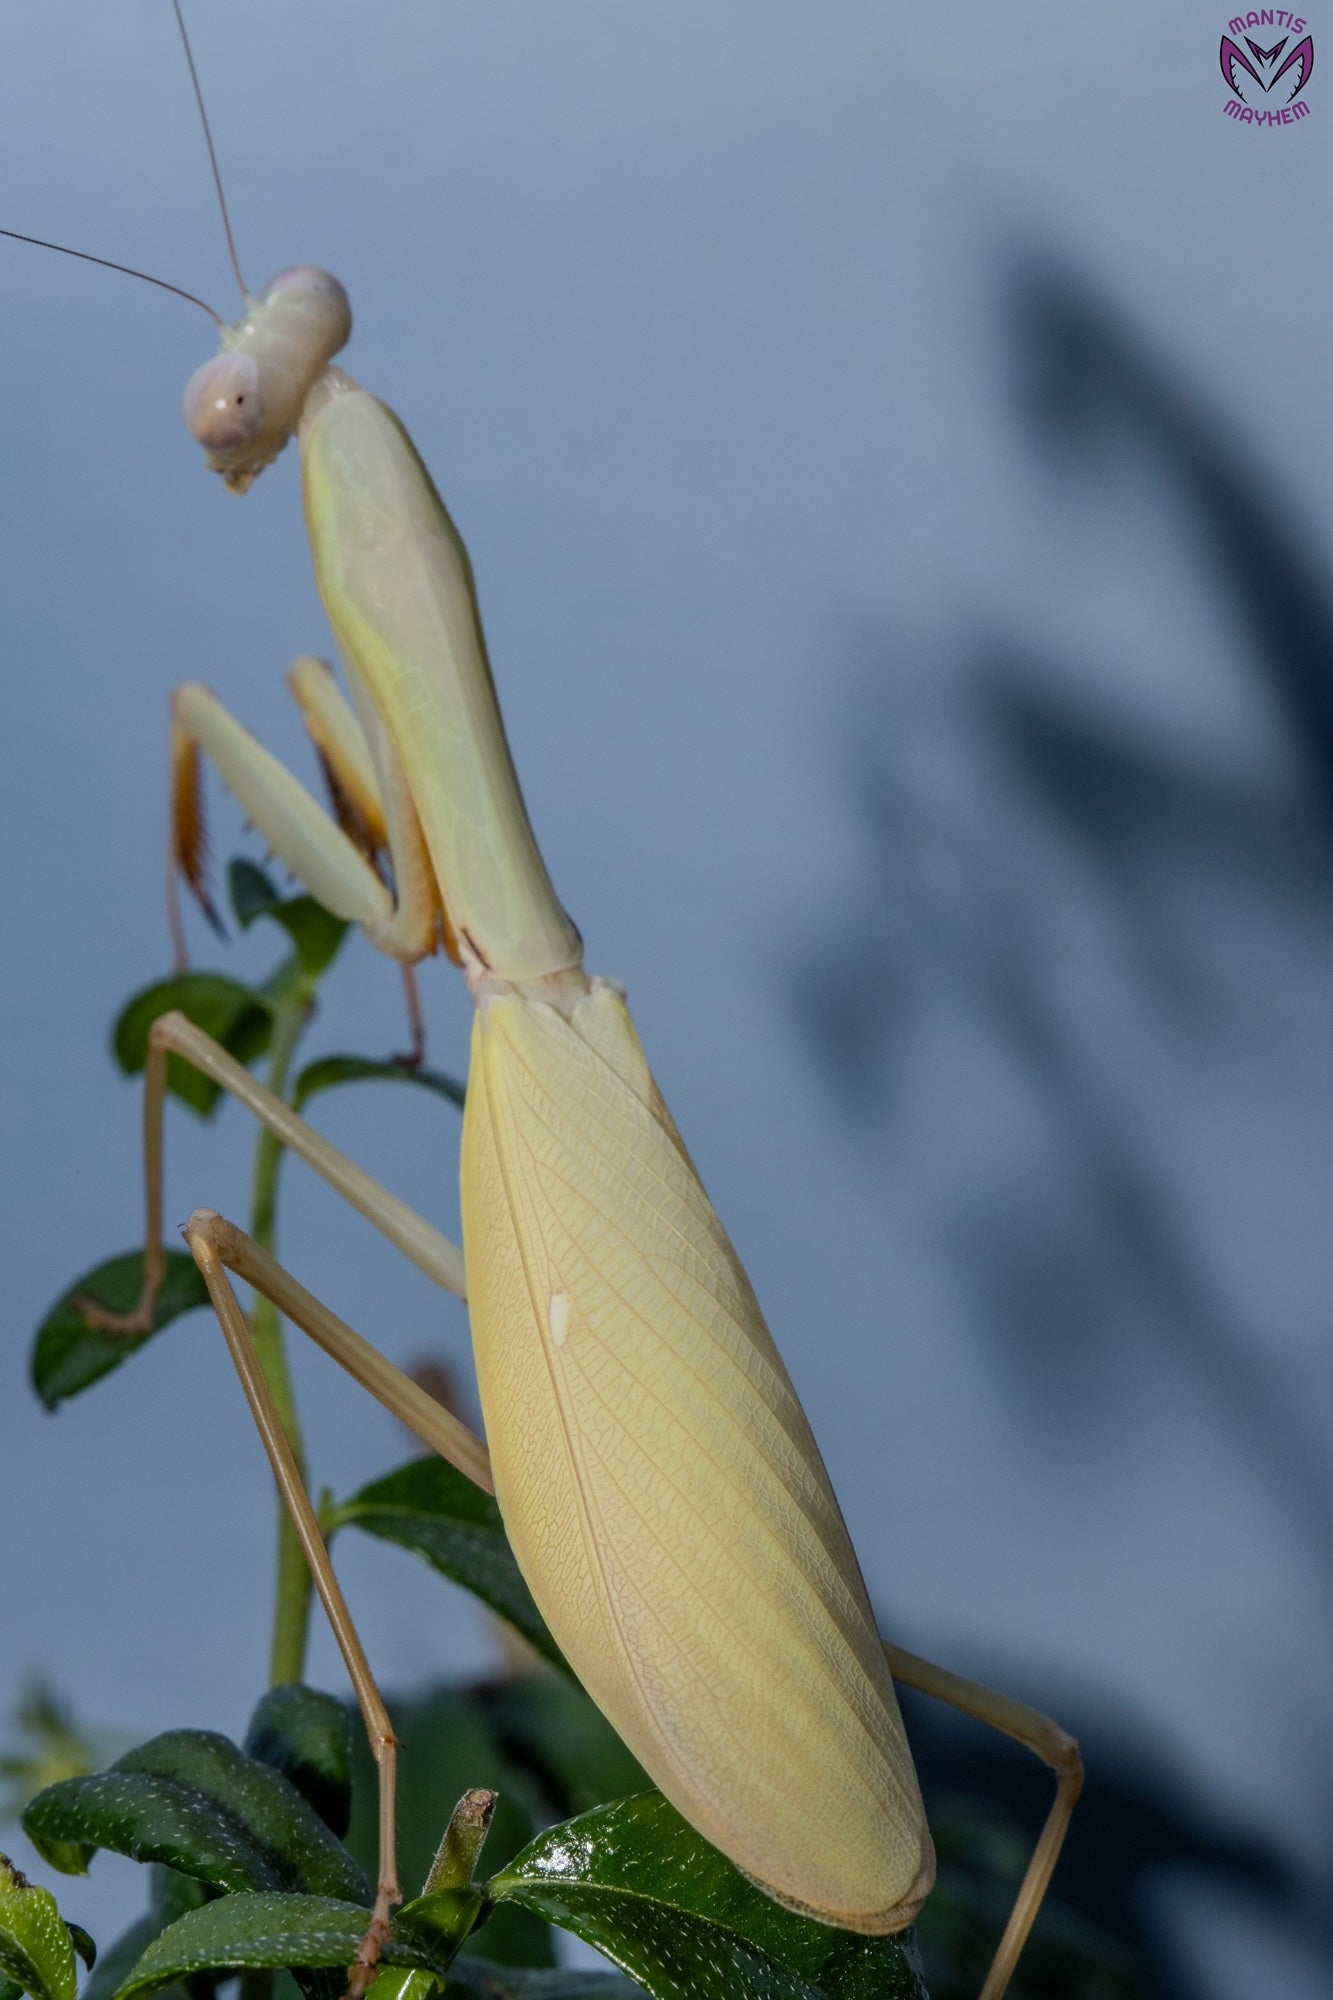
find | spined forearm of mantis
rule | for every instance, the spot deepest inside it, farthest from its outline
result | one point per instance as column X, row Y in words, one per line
column 657, row 1477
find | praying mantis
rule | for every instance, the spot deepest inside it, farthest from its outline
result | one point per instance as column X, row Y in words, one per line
column 657, row 1477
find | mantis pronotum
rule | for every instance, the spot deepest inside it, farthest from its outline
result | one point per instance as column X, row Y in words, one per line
column 658, row 1480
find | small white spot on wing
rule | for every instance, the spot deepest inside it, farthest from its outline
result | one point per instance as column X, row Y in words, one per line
column 557, row 1317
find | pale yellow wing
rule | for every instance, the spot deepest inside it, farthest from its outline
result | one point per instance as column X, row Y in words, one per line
column 658, row 1479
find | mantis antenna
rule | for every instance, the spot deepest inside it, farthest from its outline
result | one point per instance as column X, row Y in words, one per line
column 128, row 270
column 212, row 150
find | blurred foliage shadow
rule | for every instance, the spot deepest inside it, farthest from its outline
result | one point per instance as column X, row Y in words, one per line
column 1078, row 899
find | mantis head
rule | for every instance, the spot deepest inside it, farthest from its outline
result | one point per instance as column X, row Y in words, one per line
column 244, row 404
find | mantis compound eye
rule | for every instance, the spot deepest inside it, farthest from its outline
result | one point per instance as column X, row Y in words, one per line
column 222, row 404
column 313, row 306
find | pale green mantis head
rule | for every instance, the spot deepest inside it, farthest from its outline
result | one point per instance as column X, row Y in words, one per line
column 244, row 404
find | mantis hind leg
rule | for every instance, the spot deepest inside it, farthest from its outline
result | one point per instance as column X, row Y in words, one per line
column 173, row 1034
column 230, row 1247
column 1046, row 1740
column 297, row 1502
column 218, row 1246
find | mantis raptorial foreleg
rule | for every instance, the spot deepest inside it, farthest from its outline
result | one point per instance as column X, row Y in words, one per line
column 338, row 870
column 171, row 1033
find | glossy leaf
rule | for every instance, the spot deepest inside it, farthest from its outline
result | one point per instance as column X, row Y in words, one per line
column 191, row 1799
column 637, row 1882
column 429, row 1507
column 307, row 1736
column 330, row 1071
column 481, row 1979
column 240, row 1017
column 36, row 1948
column 275, row 1930
column 68, row 1355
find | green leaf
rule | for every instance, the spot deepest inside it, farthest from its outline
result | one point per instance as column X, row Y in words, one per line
column 251, row 891
column 641, row 1885
column 480, row 1979
column 191, row 1799
column 36, row 1949
column 82, row 1943
column 549, row 1724
column 447, row 1915
column 330, row 1071
column 429, row 1507
column 68, row 1354
column 307, row 1736
column 240, row 1017
column 272, row 1930
column 315, row 931
column 444, row 1915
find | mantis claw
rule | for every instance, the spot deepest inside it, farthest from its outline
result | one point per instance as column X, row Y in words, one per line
column 416, row 1055
column 141, row 1317
column 365, row 1965
column 127, row 1325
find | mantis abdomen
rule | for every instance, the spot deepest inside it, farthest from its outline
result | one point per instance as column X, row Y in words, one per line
column 658, row 1478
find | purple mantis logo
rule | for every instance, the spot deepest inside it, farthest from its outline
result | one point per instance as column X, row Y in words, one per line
column 1266, row 82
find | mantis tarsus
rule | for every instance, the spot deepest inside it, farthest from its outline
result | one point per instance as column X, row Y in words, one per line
column 656, row 1474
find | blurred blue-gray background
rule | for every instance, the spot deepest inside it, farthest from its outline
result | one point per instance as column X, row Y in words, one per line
column 893, row 447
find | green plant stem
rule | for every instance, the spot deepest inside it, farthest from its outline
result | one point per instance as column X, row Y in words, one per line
column 291, row 1607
